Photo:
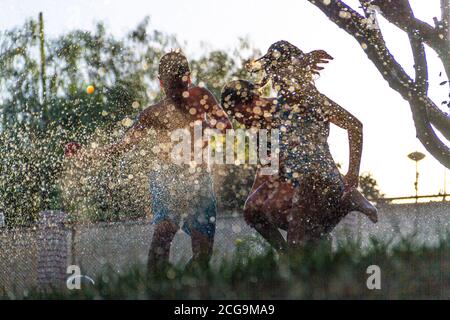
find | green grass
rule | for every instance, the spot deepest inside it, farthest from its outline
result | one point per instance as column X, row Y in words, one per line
column 408, row 271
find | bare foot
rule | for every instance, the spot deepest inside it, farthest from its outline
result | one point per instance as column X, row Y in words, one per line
column 357, row 202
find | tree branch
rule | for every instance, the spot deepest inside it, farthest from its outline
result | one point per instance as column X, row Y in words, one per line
column 399, row 13
column 425, row 132
column 445, row 18
column 418, row 50
column 371, row 40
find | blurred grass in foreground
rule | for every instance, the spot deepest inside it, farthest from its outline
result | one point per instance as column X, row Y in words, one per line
column 408, row 271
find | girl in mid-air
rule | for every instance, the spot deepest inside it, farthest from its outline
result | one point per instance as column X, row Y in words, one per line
column 309, row 196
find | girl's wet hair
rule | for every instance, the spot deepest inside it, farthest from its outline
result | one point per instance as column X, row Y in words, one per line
column 174, row 73
column 284, row 61
column 238, row 92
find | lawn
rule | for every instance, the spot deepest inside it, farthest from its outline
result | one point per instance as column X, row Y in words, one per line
column 408, row 271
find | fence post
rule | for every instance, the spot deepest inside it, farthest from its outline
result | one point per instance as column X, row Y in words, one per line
column 53, row 240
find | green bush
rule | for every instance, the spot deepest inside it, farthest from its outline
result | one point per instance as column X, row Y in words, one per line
column 35, row 126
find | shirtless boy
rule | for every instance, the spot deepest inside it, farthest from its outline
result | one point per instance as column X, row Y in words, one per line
column 181, row 193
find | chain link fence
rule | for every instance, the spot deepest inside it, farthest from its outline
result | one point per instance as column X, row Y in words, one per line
column 38, row 257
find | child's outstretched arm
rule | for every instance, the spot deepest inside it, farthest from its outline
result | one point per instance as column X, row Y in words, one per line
column 131, row 137
column 344, row 119
column 216, row 117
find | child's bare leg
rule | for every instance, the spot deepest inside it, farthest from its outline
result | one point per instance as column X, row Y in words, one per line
column 304, row 233
column 266, row 229
column 353, row 200
column 202, row 249
column 303, row 223
column 296, row 232
column 256, row 215
column 158, row 256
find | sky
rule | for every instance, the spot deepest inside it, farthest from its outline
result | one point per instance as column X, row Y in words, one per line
column 350, row 79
